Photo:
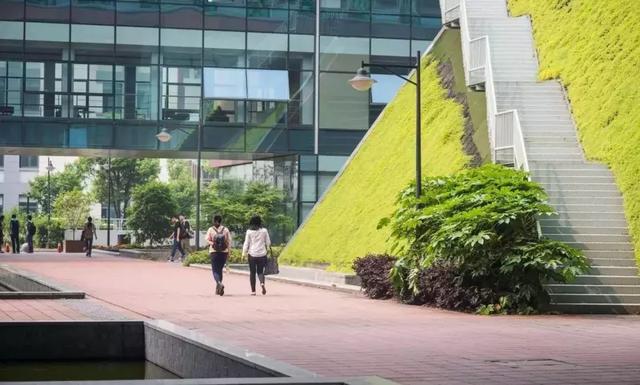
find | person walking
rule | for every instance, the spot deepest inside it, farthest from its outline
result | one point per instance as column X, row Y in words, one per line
column 219, row 240
column 14, row 229
column 30, row 230
column 1, row 233
column 186, row 235
column 88, row 234
column 256, row 245
column 176, row 235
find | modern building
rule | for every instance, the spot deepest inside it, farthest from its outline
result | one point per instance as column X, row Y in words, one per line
column 263, row 78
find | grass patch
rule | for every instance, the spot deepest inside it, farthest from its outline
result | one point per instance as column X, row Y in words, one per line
column 343, row 225
column 594, row 47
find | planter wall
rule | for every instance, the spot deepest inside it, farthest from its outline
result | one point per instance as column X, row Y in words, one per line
column 73, row 246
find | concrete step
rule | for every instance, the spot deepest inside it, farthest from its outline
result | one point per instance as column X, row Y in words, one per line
column 621, row 262
column 607, row 280
column 593, row 208
column 627, row 271
column 602, row 254
column 608, row 246
column 563, row 186
column 553, row 144
column 570, row 288
column 595, row 308
column 581, row 215
column 590, row 237
column 557, row 221
column 576, row 179
column 554, row 157
column 583, row 171
column 596, row 298
column 556, row 192
column 580, row 231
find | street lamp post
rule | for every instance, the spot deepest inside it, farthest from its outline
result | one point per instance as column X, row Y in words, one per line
column 49, row 169
column 363, row 82
column 164, row 136
column 109, row 201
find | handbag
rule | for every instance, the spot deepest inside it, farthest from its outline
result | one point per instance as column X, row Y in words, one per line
column 271, row 268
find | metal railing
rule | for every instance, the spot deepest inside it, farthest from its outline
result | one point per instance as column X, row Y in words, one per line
column 450, row 11
column 505, row 131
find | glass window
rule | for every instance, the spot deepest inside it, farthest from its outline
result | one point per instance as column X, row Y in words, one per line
column 324, row 181
column 425, row 28
column 10, row 88
column 331, row 163
column 181, row 47
column 92, row 34
column 339, row 142
column 138, row 13
column 93, row 92
column 28, row 161
column 224, row 49
column 225, row 83
column 390, row 47
column 47, row 32
column 392, row 6
column 392, row 26
column 181, row 93
column 302, row 4
column 342, row 107
column 302, row 22
column 426, row 8
column 225, row 18
column 1, row 161
column 1, row 203
column 93, row 11
column 268, row 85
column 344, row 23
column 266, row 114
column 301, row 52
column 302, row 98
column 228, row 111
column 48, row 10
column 386, row 88
column 268, row 3
column 267, row 50
column 12, row 10
column 27, row 204
column 308, row 187
column 308, row 163
column 267, row 20
column 181, row 15
column 345, row 5
column 343, row 53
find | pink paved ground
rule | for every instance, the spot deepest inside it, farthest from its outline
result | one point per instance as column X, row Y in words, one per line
column 340, row 334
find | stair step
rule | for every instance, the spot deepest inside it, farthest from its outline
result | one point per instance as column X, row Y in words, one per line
column 584, row 171
column 563, row 186
column 580, row 230
column 621, row 262
column 628, row 271
column 577, row 179
column 597, row 207
column 596, row 298
column 610, row 246
column 615, row 254
column 592, row 289
column 603, row 308
column 590, row 238
column 607, row 280
column 581, row 215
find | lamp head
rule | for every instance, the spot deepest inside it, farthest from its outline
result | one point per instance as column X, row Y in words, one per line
column 362, row 81
column 164, row 135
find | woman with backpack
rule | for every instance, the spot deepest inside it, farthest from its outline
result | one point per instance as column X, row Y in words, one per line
column 219, row 239
column 256, row 245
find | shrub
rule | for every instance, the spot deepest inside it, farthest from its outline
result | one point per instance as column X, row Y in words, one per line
column 56, row 231
column 202, row 256
column 480, row 226
column 150, row 214
column 374, row 270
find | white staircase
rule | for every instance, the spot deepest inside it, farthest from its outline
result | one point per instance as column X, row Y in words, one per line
column 531, row 127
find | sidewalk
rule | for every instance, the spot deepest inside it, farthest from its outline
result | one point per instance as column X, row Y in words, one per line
column 338, row 334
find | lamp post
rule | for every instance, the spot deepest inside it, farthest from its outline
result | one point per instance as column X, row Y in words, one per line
column 164, row 136
column 363, row 82
column 49, row 169
column 108, row 168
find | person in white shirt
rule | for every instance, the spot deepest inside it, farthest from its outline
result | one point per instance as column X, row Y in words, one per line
column 256, row 245
column 219, row 239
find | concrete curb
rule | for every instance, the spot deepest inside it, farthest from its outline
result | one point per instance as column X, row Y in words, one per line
column 349, row 289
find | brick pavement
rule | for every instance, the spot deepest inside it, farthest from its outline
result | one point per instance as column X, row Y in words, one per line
column 342, row 334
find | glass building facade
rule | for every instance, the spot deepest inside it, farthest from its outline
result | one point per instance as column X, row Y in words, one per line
column 265, row 77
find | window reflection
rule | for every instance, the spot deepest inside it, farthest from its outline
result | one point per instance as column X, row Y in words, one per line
column 181, row 93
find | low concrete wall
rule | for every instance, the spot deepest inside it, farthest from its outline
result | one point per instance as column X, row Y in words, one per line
column 69, row 340
column 310, row 274
column 151, row 254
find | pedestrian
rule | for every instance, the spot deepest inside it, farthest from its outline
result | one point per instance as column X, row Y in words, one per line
column 219, row 239
column 186, row 235
column 255, row 248
column 175, row 236
column 30, row 230
column 14, row 228
column 88, row 234
column 1, row 233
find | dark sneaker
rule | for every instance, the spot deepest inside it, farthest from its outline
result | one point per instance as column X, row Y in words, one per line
column 221, row 290
column 217, row 289
column 253, row 293
column 264, row 290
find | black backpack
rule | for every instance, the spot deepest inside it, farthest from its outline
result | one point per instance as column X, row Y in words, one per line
column 219, row 240
column 31, row 228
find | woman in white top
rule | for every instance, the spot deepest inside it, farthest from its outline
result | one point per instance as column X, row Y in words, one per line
column 256, row 244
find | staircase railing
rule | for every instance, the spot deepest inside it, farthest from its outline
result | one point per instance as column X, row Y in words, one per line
column 450, row 11
column 505, row 131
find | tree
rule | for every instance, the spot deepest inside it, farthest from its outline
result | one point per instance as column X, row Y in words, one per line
column 72, row 208
column 151, row 212
column 182, row 185
column 72, row 177
column 126, row 174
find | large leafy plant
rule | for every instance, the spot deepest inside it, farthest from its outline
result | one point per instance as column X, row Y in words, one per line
column 480, row 223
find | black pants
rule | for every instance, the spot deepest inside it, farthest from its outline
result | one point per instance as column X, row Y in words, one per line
column 218, row 260
column 15, row 243
column 88, row 244
column 256, row 266
column 29, row 243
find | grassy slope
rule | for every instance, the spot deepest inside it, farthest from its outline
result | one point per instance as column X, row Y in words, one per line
column 343, row 226
column 594, row 47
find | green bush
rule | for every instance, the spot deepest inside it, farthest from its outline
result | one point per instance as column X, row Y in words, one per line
column 56, row 231
column 480, row 224
column 150, row 214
